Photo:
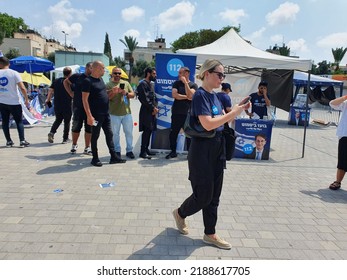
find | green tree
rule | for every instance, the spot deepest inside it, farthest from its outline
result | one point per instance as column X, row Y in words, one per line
column 9, row 25
column 338, row 55
column 200, row 38
column 284, row 50
column 130, row 43
column 107, row 49
column 120, row 62
column 51, row 57
column 2, row 35
column 322, row 68
column 12, row 53
column 139, row 68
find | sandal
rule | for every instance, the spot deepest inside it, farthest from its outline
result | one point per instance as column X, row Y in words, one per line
column 335, row 186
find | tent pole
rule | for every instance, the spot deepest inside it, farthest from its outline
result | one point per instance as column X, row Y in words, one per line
column 306, row 111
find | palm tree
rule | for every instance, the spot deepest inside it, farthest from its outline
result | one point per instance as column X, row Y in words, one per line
column 338, row 55
column 284, row 50
column 130, row 43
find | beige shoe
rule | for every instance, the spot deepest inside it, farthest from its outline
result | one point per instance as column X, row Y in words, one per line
column 218, row 242
column 180, row 223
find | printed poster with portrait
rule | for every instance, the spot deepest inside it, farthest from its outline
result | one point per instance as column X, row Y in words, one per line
column 253, row 138
column 167, row 66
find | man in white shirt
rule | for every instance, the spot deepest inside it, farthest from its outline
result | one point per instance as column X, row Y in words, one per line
column 10, row 83
column 340, row 103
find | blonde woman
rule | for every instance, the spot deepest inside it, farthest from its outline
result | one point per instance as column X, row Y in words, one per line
column 206, row 159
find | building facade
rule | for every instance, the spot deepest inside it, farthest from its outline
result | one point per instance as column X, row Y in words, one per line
column 31, row 43
column 148, row 53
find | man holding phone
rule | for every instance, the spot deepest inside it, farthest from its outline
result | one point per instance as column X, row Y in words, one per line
column 119, row 93
column 260, row 100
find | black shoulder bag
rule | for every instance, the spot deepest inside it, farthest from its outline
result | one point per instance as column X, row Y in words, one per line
column 193, row 128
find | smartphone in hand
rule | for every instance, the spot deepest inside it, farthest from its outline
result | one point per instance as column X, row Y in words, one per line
column 245, row 100
column 121, row 86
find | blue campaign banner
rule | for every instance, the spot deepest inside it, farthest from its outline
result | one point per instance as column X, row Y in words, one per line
column 253, row 138
column 167, row 66
column 297, row 116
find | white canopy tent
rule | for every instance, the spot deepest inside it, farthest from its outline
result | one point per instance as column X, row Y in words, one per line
column 233, row 50
column 235, row 53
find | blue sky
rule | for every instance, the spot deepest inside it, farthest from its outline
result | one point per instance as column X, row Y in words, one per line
column 311, row 28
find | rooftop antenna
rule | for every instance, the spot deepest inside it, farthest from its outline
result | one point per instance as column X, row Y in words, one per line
column 156, row 31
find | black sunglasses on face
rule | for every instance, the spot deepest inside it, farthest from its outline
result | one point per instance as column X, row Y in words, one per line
column 220, row 75
column 116, row 73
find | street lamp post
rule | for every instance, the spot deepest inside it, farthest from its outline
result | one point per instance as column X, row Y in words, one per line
column 65, row 38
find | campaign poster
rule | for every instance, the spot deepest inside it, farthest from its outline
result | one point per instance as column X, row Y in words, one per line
column 167, row 66
column 253, row 138
column 297, row 116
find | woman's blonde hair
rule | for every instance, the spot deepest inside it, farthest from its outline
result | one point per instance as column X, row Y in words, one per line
column 209, row 65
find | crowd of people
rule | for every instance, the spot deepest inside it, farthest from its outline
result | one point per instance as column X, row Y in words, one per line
column 89, row 102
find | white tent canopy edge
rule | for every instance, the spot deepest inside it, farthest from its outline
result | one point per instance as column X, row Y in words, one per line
column 233, row 50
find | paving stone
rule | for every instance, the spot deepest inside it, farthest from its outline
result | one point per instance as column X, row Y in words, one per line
column 286, row 213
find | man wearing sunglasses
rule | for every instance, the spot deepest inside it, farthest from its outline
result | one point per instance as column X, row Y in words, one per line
column 96, row 105
column 119, row 92
column 260, row 100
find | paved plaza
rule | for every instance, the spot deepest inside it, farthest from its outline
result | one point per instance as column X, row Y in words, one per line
column 52, row 207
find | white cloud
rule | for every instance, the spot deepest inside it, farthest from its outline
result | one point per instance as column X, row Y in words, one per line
column 256, row 35
column 232, row 16
column 334, row 40
column 297, row 46
column 177, row 16
column 285, row 13
column 63, row 11
column 142, row 41
column 132, row 13
column 72, row 30
column 278, row 38
column 66, row 18
column 132, row 32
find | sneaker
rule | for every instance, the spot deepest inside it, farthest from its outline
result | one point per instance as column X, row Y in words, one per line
column 144, row 155
column 118, row 154
column 50, row 137
column 73, row 149
column 180, row 223
column 9, row 143
column 96, row 163
column 117, row 160
column 65, row 141
column 218, row 242
column 150, row 153
column 130, row 155
column 24, row 144
column 87, row 151
column 171, row 155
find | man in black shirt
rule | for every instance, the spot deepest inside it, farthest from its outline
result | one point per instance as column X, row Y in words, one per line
column 260, row 100
column 96, row 104
column 73, row 86
column 62, row 106
column 182, row 92
column 148, row 111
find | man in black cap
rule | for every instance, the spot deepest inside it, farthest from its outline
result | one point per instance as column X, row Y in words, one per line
column 260, row 100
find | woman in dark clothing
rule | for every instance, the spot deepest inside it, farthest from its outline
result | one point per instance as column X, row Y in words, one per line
column 206, row 158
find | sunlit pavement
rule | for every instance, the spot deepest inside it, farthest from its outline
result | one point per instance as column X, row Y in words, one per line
column 52, row 206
